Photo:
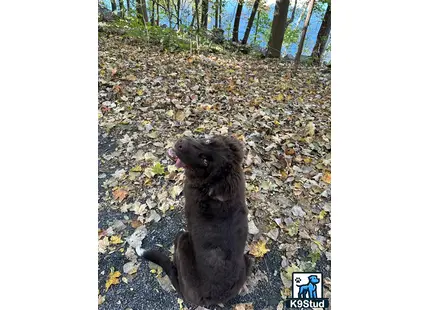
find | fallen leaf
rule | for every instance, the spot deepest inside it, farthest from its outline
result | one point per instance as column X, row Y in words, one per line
column 273, row 234
column 120, row 194
column 103, row 244
column 130, row 267
column 113, row 278
column 136, row 223
column 180, row 116
column 327, row 177
column 158, row 169
column 136, row 169
column 279, row 97
column 258, row 249
column 115, row 240
column 247, row 306
column 153, row 216
column 252, row 228
column 135, row 240
column 310, row 128
column 101, row 299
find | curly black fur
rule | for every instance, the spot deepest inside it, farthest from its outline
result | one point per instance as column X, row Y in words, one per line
column 209, row 265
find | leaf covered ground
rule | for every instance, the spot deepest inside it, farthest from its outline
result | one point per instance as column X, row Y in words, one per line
column 148, row 98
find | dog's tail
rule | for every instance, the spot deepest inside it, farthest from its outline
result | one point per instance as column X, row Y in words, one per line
column 164, row 262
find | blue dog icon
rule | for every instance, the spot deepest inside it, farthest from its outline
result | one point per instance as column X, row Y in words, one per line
column 309, row 289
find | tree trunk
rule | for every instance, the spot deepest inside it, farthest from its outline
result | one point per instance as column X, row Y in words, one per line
column 142, row 11
column 301, row 17
column 158, row 15
column 237, row 21
column 197, row 15
column 153, row 13
column 278, row 28
column 303, row 36
column 250, row 21
column 205, row 8
column 121, row 8
column 178, row 19
column 139, row 10
column 169, row 14
column 322, row 37
column 256, row 26
column 113, row 4
column 128, row 7
column 216, row 13
column 219, row 14
column 289, row 21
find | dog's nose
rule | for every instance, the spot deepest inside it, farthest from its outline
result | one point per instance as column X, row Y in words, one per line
column 180, row 144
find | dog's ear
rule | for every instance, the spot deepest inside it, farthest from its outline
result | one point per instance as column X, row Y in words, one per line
column 225, row 190
column 236, row 146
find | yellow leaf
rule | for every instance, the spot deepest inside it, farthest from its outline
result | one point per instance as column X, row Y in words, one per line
column 139, row 92
column 113, row 278
column 258, row 249
column 279, row 97
column 307, row 160
column 180, row 302
column 327, row 177
column 115, row 240
column 136, row 169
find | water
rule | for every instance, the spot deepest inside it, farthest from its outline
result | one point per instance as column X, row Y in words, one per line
column 228, row 19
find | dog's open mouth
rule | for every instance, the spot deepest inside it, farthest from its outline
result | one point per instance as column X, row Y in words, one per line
column 173, row 156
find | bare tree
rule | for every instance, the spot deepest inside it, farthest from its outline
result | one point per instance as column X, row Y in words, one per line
column 169, row 13
column 205, row 9
column 153, row 13
column 141, row 10
column 322, row 36
column 158, row 15
column 256, row 26
column 121, row 8
column 289, row 21
column 237, row 21
column 302, row 14
column 278, row 28
column 113, row 5
column 220, row 13
column 303, row 36
column 196, row 15
column 251, row 21
column 128, row 7
column 216, row 12
column 178, row 10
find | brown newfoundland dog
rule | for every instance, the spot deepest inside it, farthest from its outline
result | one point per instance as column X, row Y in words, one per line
column 209, row 265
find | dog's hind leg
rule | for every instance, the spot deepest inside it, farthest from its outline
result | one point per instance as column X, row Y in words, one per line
column 249, row 263
column 186, row 264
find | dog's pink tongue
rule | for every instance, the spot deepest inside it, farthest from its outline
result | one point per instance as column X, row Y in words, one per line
column 179, row 163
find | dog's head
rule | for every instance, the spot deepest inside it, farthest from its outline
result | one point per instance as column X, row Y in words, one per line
column 313, row 279
column 204, row 156
column 208, row 160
